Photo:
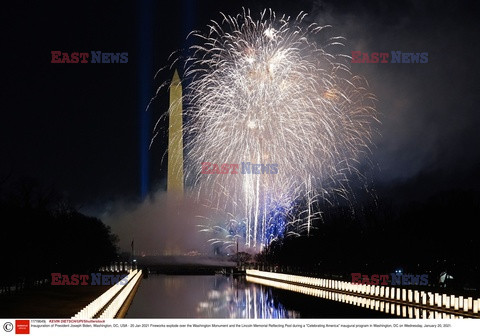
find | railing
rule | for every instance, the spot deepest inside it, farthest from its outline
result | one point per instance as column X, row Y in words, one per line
column 99, row 303
column 118, row 266
column 466, row 305
column 117, row 303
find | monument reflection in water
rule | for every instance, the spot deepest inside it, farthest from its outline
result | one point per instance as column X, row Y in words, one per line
column 215, row 296
column 237, row 299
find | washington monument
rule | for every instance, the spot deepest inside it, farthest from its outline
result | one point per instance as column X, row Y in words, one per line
column 175, row 138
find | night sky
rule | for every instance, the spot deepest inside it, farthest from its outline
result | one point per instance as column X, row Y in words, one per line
column 77, row 127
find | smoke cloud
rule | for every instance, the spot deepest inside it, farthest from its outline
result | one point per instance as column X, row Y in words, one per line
column 427, row 111
column 163, row 224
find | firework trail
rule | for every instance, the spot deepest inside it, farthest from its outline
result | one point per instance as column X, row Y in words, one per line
column 265, row 91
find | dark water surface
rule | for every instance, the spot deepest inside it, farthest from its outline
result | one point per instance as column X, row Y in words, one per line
column 219, row 296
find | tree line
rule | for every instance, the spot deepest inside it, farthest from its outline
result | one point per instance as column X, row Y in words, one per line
column 429, row 236
column 41, row 234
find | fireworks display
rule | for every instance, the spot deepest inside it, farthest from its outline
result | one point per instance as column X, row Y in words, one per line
column 266, row 91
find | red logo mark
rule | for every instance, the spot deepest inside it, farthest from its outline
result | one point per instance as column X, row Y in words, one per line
column 22, row 327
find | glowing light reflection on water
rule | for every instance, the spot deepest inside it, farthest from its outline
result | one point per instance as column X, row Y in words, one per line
column 193, row 296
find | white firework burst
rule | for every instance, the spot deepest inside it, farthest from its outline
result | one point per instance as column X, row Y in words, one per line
column 267, row 91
